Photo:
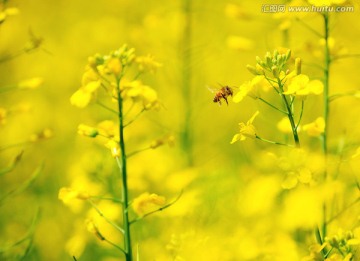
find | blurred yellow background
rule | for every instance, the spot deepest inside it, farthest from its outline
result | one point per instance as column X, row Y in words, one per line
column 233, row 206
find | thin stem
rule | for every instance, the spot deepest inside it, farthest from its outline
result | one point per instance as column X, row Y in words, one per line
column 274, row 107
column 301, row 114
column 114, row 245
column 136, row 116
column 327, row 63
column 309, row 27
column 106, row 198
column 123, row 169
column 14, row 145
column 157, row 210
column 319, row 239
column 186, row 137
column 338, row 57
column 290, row 115
column 340, row 95
column 105, row 218
column 106, row 107
column 137, row 151
column 342, row 211
column 272, row 142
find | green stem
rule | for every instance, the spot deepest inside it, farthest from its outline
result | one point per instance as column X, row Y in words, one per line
column 101, row 214
column 272, row 142
column 274, row 107
column 301, row 114
column 123, row 169
column 290, row 115
column 327, row 63
column 186, row 138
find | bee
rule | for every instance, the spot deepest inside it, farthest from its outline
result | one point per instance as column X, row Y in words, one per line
column 223, row 93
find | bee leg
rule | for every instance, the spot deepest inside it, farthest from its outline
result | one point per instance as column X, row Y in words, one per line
column 226, row 101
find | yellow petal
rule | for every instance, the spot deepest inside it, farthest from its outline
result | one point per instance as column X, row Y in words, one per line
column 235, row 138
column 80, row 98
column 315, row 87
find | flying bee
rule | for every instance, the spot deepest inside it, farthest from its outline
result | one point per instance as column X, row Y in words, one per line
column 223, row 93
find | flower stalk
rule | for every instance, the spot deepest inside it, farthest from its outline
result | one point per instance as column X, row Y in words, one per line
column 289, row 114
column 327, row 63
column 123, row 169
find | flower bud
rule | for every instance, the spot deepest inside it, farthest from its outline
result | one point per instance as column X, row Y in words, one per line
column 268, row 59
column 258, row 60
column 275, row 71
column 251, row 69
column 288, row 54
column 87, row 131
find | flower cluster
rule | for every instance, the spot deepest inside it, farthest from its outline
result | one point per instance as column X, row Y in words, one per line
column 274, row 72
column 106, row 70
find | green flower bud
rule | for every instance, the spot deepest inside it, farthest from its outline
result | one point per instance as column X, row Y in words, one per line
column 288, row 54
column 275, row 71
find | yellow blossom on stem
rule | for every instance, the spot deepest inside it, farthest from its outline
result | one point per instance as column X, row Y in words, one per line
column 301, row 85
column 87, row 131
column 284, row 125
column 246, row 130
column 68, row 194
column 169, row 139
column 138, row 92
column 114, row 148
column 147, row 202
column 92, row 228
column 147, row 63
column 315, row 128
column 251, row 88
column 108, row 128
column 80, row 98
column 114, row 66
column 90, row 83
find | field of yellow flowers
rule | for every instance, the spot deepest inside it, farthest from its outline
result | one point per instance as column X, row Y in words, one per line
column 180, row 130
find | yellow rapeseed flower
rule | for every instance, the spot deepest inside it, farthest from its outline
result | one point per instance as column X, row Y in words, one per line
column 301, row 85
column 108, row 128
column 114, row 66
column 92, row 228
column 114, row 148
column 147, row 202
column 90, row 82
column 80, row 98
column 147, row 63
column 315, row 128
column 284, row 125
column 139, row 92
column 87, row 131
column 246, row 130
column 68, row 194
column 251, row 88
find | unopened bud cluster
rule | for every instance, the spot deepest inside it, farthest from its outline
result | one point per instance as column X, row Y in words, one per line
column 274, row 63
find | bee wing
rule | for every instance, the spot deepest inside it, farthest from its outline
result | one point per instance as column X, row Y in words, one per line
column 212, row 89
